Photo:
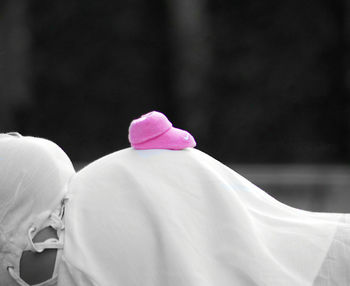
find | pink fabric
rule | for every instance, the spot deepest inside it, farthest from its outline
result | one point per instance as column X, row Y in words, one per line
column 154, row 131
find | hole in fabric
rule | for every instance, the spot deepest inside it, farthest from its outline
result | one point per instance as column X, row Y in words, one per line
column 38, row 267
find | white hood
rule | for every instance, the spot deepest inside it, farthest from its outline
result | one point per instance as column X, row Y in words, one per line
column 33, row 181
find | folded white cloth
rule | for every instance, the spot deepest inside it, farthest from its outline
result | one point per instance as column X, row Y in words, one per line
column 181, row 218
column 34, row 174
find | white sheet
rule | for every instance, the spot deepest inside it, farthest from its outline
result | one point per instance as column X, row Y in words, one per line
column 181, row 218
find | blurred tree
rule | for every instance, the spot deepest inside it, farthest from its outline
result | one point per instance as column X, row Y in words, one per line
column 191, row 59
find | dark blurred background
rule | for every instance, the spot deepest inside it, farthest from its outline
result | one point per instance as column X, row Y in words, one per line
column 256, row 82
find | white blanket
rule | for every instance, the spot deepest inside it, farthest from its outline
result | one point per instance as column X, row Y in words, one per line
column 181, row 218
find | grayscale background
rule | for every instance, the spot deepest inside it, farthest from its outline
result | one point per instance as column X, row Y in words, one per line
column 263, row 86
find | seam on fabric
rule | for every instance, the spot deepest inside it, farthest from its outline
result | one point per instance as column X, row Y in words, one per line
column 328, row 248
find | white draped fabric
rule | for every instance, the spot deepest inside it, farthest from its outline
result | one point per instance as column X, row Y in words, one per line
column 181, row 218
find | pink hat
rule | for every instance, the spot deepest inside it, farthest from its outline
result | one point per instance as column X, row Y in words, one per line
column 154, row 131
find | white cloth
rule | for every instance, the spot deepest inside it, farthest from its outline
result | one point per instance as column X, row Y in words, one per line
column 181, row 218
column 33, row 180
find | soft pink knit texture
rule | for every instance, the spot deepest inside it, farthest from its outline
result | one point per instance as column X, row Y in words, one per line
column 154, row 131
